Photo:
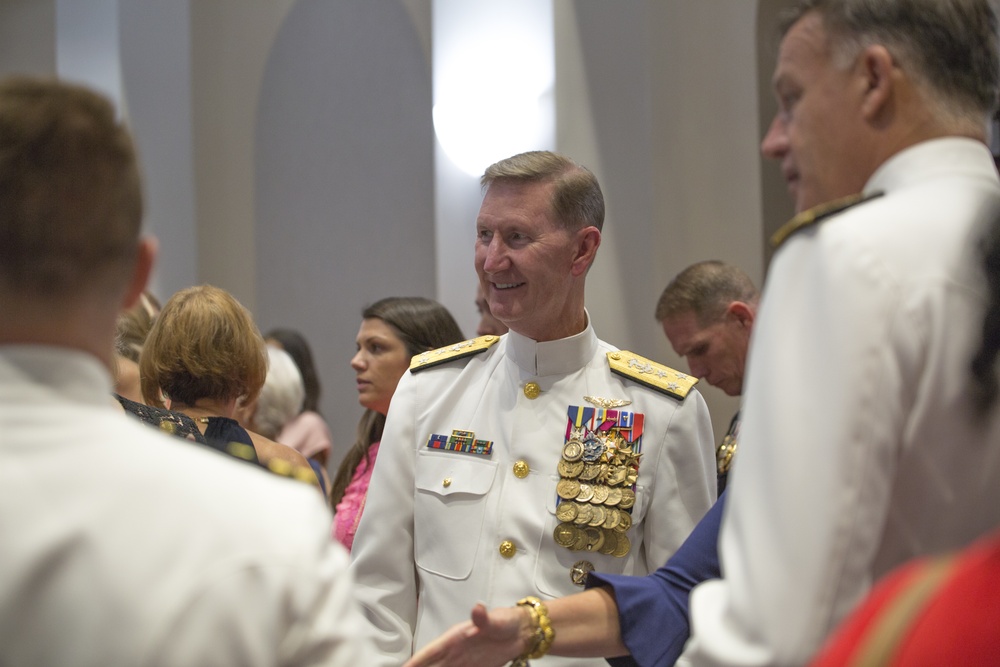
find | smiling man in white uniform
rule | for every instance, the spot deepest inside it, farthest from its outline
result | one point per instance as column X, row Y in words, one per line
column 860, row 446
column 513, row 465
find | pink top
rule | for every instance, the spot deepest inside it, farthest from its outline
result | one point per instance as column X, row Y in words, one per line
column 348, row 511
column 307, row 434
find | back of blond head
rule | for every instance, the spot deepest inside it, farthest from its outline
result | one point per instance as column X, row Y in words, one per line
column 203, row 345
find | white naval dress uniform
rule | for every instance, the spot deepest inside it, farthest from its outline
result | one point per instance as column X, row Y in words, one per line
column 858, row 449
column 120, row 545
column 435, row 523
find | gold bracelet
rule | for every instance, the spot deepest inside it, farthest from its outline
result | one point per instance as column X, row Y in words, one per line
column 544, row 634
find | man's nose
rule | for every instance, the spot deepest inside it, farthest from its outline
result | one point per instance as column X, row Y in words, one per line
column 496, row 256
column 774, row 145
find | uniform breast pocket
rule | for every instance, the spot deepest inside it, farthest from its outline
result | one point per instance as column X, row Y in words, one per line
column 449, row 508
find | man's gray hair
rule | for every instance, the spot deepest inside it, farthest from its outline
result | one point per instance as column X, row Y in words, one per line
column 949, row 45
column 577, row 200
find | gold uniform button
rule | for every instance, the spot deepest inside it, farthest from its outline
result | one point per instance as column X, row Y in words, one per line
column 532, row 390
column 447, row 482
column 521, row 470
column 507, row 549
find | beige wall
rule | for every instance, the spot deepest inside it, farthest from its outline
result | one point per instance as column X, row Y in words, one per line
column 668, row 120
column 660, row 97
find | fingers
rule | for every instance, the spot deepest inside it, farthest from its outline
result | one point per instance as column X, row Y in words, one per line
column 480, row 616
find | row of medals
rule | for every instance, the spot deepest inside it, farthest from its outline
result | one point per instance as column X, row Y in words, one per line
column 596, row 497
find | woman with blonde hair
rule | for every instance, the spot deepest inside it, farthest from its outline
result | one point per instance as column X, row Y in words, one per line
column 202, row 356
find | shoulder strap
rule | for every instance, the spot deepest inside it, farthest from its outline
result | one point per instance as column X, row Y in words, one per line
column 466, row 348
column 651, row 374
column 818, row 214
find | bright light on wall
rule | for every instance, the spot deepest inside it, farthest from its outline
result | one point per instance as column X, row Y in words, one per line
column 494, row 73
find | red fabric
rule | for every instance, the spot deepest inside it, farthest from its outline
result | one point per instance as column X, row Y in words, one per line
column 958, row 625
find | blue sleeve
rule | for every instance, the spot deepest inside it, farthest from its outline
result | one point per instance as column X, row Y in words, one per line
column 653, row 610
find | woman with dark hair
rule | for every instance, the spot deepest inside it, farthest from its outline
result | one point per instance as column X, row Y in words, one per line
column 392, row 331
column 307, row 433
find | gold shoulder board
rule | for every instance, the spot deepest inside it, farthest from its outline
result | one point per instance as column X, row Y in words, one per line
column 466, row 348
column 817, row 214
column 656, row 376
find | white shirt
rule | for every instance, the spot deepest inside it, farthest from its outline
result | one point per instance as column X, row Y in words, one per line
column 123, row 546
column 859, row 449
column 428, row 546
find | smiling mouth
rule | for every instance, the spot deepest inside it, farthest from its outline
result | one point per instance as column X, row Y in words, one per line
column 503, row 286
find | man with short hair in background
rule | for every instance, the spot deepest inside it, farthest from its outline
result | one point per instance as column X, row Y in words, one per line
column 707, row 313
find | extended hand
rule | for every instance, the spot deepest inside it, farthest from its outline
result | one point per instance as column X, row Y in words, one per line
column 490, row 639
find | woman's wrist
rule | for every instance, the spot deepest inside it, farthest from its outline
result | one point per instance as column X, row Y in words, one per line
column 536, row 630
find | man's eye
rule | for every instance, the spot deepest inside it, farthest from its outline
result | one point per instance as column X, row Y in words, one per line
column 787, row 102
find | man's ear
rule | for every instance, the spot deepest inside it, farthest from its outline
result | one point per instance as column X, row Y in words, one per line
column 145, row 257
column 741, row 313
column 878, row 70
column 588, row 241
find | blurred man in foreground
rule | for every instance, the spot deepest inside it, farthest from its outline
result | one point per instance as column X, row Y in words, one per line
column 122, row 546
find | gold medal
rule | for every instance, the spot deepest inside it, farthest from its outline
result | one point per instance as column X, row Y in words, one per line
column 568, row 489
column 590, row 472
column 612, row 518
column 628, row 499
column 570, row 469
column 624, row 522
column 616, row 475
column 578, row 573
column 586, row 493
column 623, row 547
column 598, row 518
column 584, row 513
column 573, row 451
column 595, row 538
column 566, row 511
column 565, row 535
column 610, row 543
column 724, row 454
column 581, row 540
column 614, row 496
column 601, row 494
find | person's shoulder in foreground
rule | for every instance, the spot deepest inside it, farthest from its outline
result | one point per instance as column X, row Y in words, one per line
column 128, row 547
column 935, row 611
column 121, row 545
